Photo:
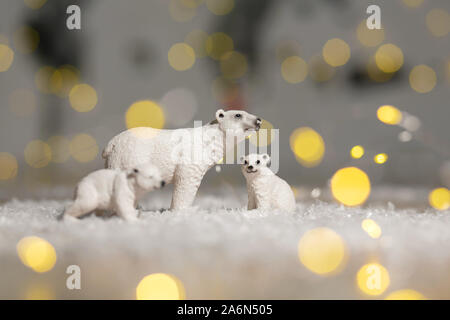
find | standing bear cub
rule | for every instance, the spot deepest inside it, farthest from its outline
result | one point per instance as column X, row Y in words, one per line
column 265, row 189
column 114, row 190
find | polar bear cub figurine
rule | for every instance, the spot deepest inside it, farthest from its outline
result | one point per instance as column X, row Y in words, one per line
column 115, row 190
column 265, row 189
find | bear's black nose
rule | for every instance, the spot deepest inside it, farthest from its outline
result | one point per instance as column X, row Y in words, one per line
column 163, row 183
column 250, row 167
column 258, row 121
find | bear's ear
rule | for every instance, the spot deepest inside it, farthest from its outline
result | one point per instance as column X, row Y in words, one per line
column 220, row 114
column 266, row 159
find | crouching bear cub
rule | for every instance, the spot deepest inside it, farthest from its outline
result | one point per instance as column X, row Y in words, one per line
column 265, row 189
column 183, row 156
column 114, row 190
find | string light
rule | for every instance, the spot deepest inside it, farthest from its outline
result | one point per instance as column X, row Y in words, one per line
column 36, row 253
column 308, row 146
column 350, row 186
column 181, row 56
column 322, row 251
column 336, row 52
column 380, row 158
column 83, row 148
column 160, row 286
column 6, row 57
column 294, row 69
column 357, row 152
column 373, row 279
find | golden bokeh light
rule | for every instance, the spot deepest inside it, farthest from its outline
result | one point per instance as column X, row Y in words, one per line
column 439, row 198
column 83, row 97
column 220, row 7
column 264, row 136
column 22, row 102
column 83, row 148
column 380, row 158
column 389, row 115
column 413, row 3
column 389, row 58
column 181, row 56
column 6, row 57
column 357, row 152
column 63, row 80
column 322, row 251
column 197, row 40
column 60, row 148
column 438, row 22
column 375, row 73
column 39, row 291
column 36, row 253
column 308, row 146
column 160, row 286
column 368, row 37
column 319, row 70
column 422, row 79
column 26, row 40
column 372, row 228
column 181, row 11
column 233, row 65
column 145, row 113
column 43, row 77
column 294, row 69
column 405, row 294
column 218, row 44
column 35, row 4
column 8, row 166
column 336, row 52
column 373, row 279
column 350, row 186
column 37, row 154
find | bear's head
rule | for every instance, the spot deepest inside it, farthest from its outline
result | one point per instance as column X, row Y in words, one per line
column 254, row 163
column 237, row 121
column 146, row 177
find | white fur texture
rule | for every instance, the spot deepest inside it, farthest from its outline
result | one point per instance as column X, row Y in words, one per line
column 265, row 189
column 183, row 156
column 115, row 190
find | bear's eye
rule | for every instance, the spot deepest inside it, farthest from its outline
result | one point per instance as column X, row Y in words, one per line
column 258, row 162
column 238, row 115
column 245, row 162
column 136, row 170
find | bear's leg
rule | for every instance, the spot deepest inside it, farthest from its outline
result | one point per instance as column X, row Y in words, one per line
column 186, row 184
column 125, row 205
column 80, row 207
column 262, row 203
column 251, row 200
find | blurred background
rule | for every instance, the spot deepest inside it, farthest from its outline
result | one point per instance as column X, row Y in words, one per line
column 363, row 118
column 309, row 68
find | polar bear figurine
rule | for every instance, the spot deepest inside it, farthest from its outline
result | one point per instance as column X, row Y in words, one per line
column 116, row 190
column 183, row 156
column 265, row 189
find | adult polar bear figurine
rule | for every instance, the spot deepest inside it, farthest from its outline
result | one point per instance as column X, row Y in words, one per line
column 183, row 156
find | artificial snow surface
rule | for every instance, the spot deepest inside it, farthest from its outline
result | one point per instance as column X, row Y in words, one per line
column 221, row 251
